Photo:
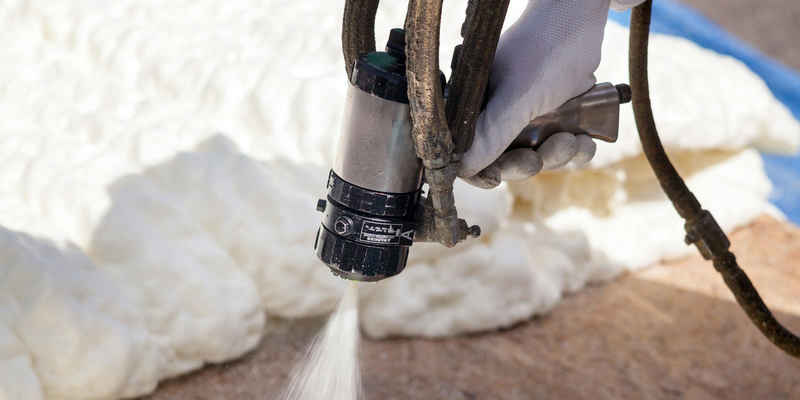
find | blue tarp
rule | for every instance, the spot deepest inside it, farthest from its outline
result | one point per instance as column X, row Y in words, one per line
column 673, row 18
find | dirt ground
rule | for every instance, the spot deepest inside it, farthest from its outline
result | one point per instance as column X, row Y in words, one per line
column 670, row 331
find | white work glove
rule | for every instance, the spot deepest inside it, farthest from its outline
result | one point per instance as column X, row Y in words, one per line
column 545, row 58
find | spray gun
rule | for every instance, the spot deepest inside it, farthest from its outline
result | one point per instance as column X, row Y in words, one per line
column 375, row 210
column 371, row 213
column 369, row 216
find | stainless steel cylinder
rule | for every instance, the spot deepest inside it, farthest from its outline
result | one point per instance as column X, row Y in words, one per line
column 375, row 147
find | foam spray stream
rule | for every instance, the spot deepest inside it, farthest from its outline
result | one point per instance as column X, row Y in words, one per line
column 330, row 367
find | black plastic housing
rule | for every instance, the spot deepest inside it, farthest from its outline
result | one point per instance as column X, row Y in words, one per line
column 365, row 235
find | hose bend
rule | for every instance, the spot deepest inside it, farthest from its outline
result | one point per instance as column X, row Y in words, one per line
column 358, row 30
column 702, row 230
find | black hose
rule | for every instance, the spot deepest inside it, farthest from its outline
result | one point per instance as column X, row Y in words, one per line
column 701, row 228
column 472, row 62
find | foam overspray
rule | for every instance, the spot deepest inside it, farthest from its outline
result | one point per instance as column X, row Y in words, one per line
column 330, row 368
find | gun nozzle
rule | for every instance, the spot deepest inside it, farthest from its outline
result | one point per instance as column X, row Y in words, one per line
column 625, row 93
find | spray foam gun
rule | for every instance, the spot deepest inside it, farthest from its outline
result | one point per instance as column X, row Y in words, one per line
column 370, row 217
column 399, row 132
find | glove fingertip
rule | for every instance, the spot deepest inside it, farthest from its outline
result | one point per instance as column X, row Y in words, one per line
column 519, row 164
column 558, row 150
column 489, row 178
column 586, row 150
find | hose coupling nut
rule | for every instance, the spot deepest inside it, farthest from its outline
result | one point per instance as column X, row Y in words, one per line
column 705, row 233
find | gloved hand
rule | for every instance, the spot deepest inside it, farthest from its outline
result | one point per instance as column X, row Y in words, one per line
column 545, row 58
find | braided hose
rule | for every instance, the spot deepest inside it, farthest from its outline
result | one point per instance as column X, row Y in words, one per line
column 472, row 62
column 432, row 139
column 358, row 30
column 701, row 228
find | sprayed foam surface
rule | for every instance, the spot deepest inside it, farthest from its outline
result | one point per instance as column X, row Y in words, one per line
column 138, row 243
column 330, row 368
